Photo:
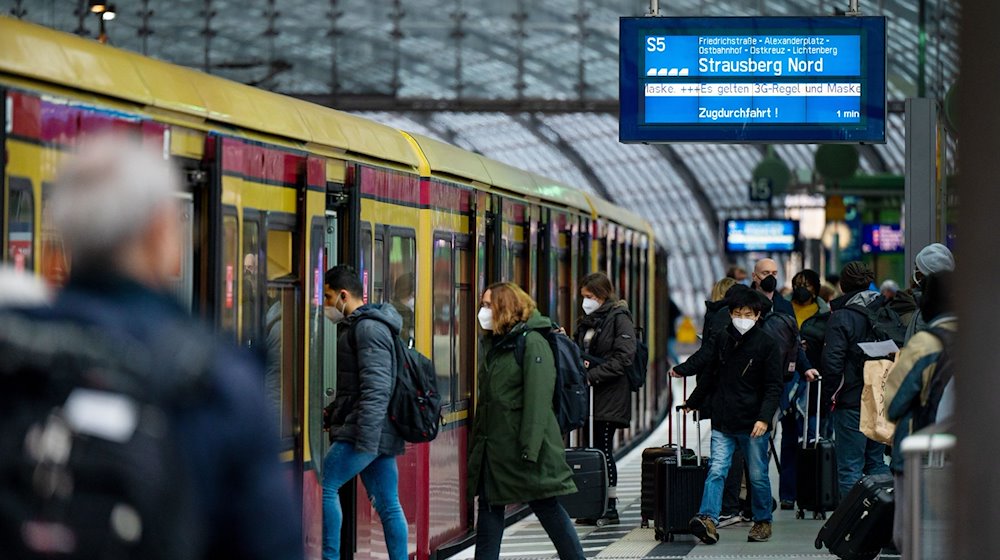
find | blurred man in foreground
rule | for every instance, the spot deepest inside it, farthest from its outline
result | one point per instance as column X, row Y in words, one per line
column 195, row 470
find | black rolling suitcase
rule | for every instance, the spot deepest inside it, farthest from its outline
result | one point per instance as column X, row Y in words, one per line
column 862, row 524
column 680, row 483
column 648, row 496
column 647, row 502
column 816, row 487
column 590, row 473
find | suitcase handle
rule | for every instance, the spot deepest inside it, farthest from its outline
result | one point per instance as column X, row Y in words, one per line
column 697, row 423
column 819, row 407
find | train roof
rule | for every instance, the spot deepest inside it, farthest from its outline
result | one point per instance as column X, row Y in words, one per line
column 37, row 52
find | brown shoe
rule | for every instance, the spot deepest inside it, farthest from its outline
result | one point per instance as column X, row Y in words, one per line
column 760, row 532
column 703, row 527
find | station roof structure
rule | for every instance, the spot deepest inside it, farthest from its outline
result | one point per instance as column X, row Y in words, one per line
column 530, row 83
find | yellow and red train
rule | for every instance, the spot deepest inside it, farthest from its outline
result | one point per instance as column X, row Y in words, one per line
column 277, row 191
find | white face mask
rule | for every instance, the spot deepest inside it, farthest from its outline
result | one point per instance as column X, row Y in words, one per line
column 409, row 303
column 743, row 325
column 590, row 305
column 486, row 319
column 333, row 314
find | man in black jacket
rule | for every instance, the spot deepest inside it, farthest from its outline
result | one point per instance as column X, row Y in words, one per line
column 842, row 368
column 364, row 439
column 743, row 385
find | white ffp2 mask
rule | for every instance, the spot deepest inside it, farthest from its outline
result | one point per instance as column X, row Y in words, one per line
column 743, row 325
column 486, row 319
column 590, row 305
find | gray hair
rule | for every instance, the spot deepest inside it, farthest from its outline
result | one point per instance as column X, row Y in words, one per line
column 106, row 193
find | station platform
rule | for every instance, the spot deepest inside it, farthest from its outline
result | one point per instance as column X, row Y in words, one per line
column 792, row 538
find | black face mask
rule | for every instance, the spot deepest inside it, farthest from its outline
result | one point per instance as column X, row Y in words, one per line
column 768, row 284
column 801, row 295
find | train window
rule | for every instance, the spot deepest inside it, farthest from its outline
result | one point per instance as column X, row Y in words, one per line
column 317, row 266
column 182, row 283
column 53, row 260
column 402, row 275
column 230, row 238
column 21, row 221
column 442, row 306
column 279, row 254
column 378, row 268
column 465, row 311
column 564, row 283
column 365, row 259
column 279, row 372
column 519, row 266
column 251, row 296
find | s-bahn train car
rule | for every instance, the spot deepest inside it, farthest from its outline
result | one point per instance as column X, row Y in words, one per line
column 277, row 191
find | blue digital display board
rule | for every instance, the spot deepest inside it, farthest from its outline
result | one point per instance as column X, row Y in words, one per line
column 766, row 79
column 882, row 238
column 777, row 236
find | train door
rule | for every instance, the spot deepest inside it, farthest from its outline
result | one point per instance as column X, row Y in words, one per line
column 340, row 246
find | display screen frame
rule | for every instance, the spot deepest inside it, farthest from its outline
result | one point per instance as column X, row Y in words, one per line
column 633, row 127
column 731, row 247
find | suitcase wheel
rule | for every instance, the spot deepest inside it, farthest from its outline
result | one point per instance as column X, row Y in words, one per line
column 800, row 514
column 658, row 534
column 819, row 515
column 601, row 522
column 644, row 523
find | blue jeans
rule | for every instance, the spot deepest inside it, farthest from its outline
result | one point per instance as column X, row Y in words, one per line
column 552, row 516
column 856, row 454
column 380, row 476
column 755, row 450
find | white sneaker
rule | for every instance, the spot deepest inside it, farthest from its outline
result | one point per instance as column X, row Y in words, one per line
column 727, row 520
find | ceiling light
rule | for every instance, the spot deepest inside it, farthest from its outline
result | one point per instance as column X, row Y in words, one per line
column 98, row 6
column 109, row 13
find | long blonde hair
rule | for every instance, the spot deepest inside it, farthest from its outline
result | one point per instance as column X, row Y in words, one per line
column 510, row 304
column 721, row 287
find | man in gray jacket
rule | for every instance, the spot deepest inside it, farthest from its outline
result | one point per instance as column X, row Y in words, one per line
column 364, row 440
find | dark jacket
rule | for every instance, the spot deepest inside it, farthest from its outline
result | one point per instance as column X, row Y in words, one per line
column 228, row 437
column 366, row 373
column 516, row 451
column 742, row 381
column 609, row 352
column 782, row 305
column 842, row 359
column 714, row 320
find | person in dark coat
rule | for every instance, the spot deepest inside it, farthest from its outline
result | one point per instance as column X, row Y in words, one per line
column 115, row 207
column 516, row 453
column 744, row 392
column 364, row 440
column 842, row 367
column 606, row 337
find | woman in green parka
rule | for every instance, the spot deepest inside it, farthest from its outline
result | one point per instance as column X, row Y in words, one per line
column 517, row 453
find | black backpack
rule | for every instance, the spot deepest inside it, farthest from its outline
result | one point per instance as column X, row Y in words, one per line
column 944, row 371
column 883, row 323
column 89, row 467
column 784, row 330
column 570, row 401
column 415, row 403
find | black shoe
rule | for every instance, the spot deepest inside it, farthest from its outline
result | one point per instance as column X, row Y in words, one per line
column 586, row 521
column 787, row 504
column 610, row 517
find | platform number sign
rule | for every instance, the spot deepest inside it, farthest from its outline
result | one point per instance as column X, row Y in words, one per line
column 761, row 189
